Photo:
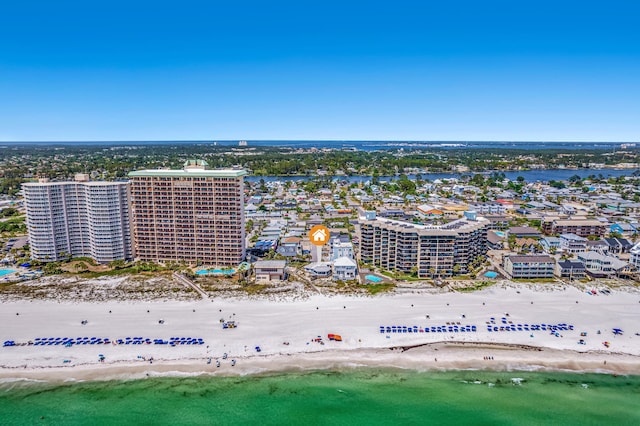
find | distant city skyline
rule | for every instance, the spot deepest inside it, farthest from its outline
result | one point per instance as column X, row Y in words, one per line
column 414, row 71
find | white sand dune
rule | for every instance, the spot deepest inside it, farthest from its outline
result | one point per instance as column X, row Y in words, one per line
column 269, row 324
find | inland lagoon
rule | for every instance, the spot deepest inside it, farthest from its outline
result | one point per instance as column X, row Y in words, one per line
column 353, row 397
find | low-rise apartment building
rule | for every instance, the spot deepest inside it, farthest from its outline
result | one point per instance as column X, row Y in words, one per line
column 538, row 266
column 580, row 227
column 488, row 208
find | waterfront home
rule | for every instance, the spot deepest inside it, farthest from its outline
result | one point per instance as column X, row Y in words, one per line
column 344, row 268
column 634, row 257
column 600, row 265
column 318, row 270
column 570, row 269
column 270, row 270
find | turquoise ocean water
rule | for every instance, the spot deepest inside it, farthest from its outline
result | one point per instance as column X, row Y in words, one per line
column 355, row 397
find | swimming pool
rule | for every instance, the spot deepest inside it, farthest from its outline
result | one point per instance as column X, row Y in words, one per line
column 215, row 272
column 490, row 274
column 6, row 271
column 500, row 233
column 373, row 278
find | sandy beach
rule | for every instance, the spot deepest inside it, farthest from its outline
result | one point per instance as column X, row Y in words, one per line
column 284, row 329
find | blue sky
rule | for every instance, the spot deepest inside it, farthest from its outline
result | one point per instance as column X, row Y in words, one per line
column 419, row 70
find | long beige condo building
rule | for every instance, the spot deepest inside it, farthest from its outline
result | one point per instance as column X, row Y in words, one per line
column 195, row 215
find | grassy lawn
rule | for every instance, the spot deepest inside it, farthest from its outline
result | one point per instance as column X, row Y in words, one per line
column 377, row 288
column 254, row 288
column 476, row 287
column 535, row 280
column 401, row 277
column 410, row 278
column 464, row 277
column 388, row 274
column 134, row 269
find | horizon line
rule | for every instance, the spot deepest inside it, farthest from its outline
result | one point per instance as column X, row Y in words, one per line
column 315, row 140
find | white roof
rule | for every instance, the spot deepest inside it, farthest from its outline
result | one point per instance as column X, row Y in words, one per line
column 344, row 261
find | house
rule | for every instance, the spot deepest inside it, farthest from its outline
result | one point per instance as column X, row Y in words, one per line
column 318, row 270
column 599, row 246
column 623, row 228
column 344, row 268
column 571, row 243
column 341, row 249
column 550, row 244
column 535, row 266
column 635, row 256
column 428, row 211
column 570, row 269
column 270, row 270
column 618, row 245
column 290, row 247
column 526, row 245
column 600, row 265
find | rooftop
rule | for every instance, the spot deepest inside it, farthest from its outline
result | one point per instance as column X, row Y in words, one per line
column 275, row 264
column 531, row 259
column 191, row 172
column 73, row 182
column 579, row 222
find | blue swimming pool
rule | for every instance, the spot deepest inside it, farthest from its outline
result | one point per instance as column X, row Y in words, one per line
column 500, row 233
column 215, row 272
column 6, row 271
column 490, row 274
column 373, row 278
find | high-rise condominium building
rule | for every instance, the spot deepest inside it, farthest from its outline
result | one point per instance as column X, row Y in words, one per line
column 79, row 218
column 427, row 250
column 195, row 215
